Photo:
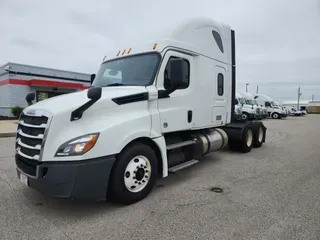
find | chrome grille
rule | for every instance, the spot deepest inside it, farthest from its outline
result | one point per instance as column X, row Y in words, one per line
column 30, row 139
column 258, row 111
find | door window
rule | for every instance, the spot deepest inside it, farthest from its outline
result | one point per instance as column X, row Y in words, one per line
column 220, row 84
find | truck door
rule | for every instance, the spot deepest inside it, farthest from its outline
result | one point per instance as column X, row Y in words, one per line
column 219, row 116
column 176, row 111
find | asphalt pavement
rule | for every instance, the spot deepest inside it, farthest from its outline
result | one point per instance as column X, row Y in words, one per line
column 270, row 193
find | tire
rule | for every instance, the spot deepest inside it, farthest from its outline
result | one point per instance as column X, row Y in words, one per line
column 275, row 116
column 133, row 175
column 246, row 143
column 245, row 117
column 258, row 137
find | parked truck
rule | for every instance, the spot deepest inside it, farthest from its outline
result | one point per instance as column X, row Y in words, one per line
column 172, row 102
column 274, row 110
column 249, row 110
column 261, row 111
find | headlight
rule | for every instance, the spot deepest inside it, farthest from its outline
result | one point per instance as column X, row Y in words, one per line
column 78, row 146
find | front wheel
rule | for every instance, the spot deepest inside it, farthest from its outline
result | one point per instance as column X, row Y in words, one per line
column 133, row 175
column 245, row 116
column 275, row 116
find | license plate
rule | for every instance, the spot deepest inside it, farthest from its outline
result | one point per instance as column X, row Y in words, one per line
column 24, row 179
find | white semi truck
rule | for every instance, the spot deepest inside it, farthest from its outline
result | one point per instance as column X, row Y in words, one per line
column 261, row 111
column 274, row 110
column 249, row 110
column 172, row 102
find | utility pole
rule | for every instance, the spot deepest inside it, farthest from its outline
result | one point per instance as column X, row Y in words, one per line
column 257, row 89
column 247, row 87
column 312, row 97
column 299, row 94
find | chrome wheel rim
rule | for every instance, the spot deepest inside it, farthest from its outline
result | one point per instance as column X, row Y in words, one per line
column 137, row 173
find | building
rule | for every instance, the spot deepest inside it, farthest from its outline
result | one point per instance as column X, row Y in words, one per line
column 314, row 107
column 16, row 80
column 294, row 103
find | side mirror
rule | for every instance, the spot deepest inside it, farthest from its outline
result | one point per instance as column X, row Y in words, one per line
column 30, row 97
column 236, row 102
column 94, row 93
column 92, row 77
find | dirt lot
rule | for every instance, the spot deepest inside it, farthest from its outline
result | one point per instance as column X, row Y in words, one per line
column 270, row 193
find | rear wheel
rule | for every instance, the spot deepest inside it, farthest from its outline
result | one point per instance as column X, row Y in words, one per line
column 258, row 137
column 133, row 175
column 247, row 140
column 245, row 144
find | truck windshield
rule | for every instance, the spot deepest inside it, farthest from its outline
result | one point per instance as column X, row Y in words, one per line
column 250, row 102
column 242, row 101
column 136, row 70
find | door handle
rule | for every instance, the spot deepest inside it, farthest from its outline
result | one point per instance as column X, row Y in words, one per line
column 189, row 116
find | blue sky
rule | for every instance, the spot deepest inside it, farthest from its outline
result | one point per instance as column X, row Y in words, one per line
column 277, row 41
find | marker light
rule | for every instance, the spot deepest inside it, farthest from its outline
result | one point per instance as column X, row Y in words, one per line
column 129, row 51
column 154, row 46
column 77, row 146
column 123, row 52
column 118, row 53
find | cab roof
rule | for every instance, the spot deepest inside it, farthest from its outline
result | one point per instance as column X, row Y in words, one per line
column 201, row 36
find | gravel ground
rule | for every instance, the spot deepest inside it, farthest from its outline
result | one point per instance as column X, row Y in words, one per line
column 270, row 193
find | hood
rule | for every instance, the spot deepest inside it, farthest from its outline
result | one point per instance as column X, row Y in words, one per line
column 71, row 101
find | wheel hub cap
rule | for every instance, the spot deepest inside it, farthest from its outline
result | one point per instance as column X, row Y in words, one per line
column 137, row 174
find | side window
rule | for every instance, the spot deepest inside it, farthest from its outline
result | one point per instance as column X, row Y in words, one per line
column 220, row 84
column 186, row 71
column 218, row 40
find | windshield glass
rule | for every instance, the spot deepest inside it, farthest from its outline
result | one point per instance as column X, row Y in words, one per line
column 241, row 100
column 251, row 102
column 129, row 71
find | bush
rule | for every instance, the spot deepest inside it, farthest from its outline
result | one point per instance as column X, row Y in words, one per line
column 16, row 111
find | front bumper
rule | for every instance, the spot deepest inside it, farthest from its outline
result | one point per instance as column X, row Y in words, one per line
column 87, row 179
column 237, row 116
column 283, row 114
column 252, row 116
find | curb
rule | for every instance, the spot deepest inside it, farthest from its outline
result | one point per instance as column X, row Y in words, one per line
column 6, row 135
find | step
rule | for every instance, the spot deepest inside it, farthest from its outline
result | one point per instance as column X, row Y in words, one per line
column 180, row 144
column 183, row 166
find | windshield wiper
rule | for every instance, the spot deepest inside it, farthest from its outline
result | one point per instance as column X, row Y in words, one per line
column 114, row 84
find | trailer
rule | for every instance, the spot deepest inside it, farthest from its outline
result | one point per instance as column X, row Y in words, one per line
column 152, row 109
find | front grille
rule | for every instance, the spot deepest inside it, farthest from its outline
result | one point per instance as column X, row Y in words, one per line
column 26, row 165
column 30, row 141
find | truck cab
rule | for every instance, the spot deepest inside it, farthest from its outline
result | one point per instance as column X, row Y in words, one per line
column 261, row 111
column 152, row 108
column 274, row 110
column 249, row 110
